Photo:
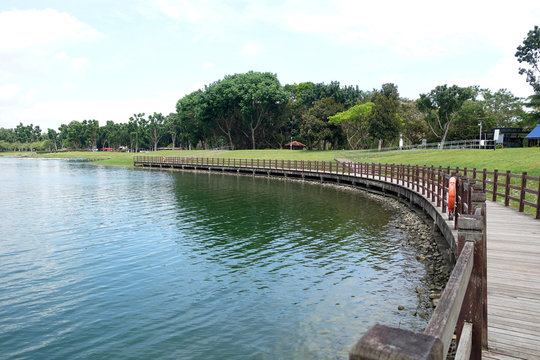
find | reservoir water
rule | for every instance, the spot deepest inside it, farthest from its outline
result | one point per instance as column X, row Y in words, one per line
column 109, row 263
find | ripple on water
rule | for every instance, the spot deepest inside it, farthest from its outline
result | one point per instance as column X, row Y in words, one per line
column 107, row 262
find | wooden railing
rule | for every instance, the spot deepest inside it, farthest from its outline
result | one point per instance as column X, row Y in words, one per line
column 462, row 308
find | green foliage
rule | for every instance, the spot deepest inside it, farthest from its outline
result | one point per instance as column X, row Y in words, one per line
column 315, row 127
column 529, row 52
column 384, row 120
column 355, row 124
column 155, row 128
column 441, row 106
column 413, row 123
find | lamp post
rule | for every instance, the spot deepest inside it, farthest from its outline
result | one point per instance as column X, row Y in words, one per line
column 480, row 139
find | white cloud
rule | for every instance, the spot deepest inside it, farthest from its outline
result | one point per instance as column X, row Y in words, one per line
column 503, row 75
column 207, row 65
column 252, row 48
column 79, row 63
column 8, row 92
column 51, row 114
column 30, row 28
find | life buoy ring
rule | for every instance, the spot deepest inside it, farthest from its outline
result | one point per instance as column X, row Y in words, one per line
column 451, row 197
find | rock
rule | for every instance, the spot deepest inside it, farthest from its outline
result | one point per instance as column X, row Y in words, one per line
column 401, row 307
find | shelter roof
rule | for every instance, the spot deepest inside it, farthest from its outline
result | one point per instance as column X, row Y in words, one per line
column 295, row 143
column 535, row 134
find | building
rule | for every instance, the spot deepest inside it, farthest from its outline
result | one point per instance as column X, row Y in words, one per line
column 510, row 137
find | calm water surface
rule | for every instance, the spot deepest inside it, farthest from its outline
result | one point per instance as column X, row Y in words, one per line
column 104, row 262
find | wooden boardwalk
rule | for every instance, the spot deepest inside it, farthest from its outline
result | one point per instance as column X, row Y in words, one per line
column 513, row 278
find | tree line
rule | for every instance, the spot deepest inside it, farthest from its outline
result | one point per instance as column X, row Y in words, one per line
column 253, row 110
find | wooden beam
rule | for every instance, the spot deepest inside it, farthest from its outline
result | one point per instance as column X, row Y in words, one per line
column 384, row 342
column 445, row 317
column 463, row 351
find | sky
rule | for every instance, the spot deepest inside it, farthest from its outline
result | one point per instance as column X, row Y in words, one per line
column 107, row 60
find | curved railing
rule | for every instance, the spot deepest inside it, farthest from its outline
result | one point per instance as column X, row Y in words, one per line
column 462, row 308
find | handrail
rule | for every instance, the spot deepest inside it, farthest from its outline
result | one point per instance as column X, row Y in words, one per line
column 445, row 317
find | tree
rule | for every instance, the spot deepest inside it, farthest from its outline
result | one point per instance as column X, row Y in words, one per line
column 442, row 106
column 91, row 128
column 384, row 120
column 53, row 137
column 155, row 128
column 137, row 130
column 355, row 124
column 193, row 119
column 171, row 126
column 503, row 107
column 224, row 98
column 76, row 135
column 262, row 99
column 529, row 52
column 315, row 127
column 413, row 123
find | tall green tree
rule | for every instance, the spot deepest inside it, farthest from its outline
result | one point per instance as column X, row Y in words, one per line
column 384, row 122
column 172, row 127
column 529, row 53
column 355, row 124
column 315, row 127
column 155, row 128
column 53, row 138
column 224, row 98
column 441, row 106
column 193, row 119
column 262, row 100
column 413, row 125
column 138, row 126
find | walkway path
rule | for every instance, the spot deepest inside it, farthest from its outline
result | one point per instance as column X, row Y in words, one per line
column 513, row 277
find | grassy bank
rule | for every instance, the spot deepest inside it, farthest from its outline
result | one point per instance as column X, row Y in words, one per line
column 515, row 160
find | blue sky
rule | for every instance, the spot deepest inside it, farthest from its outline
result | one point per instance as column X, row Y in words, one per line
column 105, row 60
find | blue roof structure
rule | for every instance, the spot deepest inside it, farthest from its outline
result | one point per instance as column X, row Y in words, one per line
column 535, row 134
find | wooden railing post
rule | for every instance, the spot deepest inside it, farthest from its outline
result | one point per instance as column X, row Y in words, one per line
column 538, row 200
column 495, row 179
column 522, row 194
column 478, row 205
column 484, row 176
column 507, row 189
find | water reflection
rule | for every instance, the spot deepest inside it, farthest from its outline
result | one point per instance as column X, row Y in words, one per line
column 192, row 265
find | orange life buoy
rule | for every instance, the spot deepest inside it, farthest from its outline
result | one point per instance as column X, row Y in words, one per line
column 451, row 196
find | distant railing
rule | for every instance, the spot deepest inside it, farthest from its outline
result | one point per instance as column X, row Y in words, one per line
column 448, row 145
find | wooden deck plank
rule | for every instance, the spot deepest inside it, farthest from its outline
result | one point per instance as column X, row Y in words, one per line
column 513, row 246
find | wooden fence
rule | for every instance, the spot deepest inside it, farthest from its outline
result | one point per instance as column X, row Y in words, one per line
column 462, row 308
